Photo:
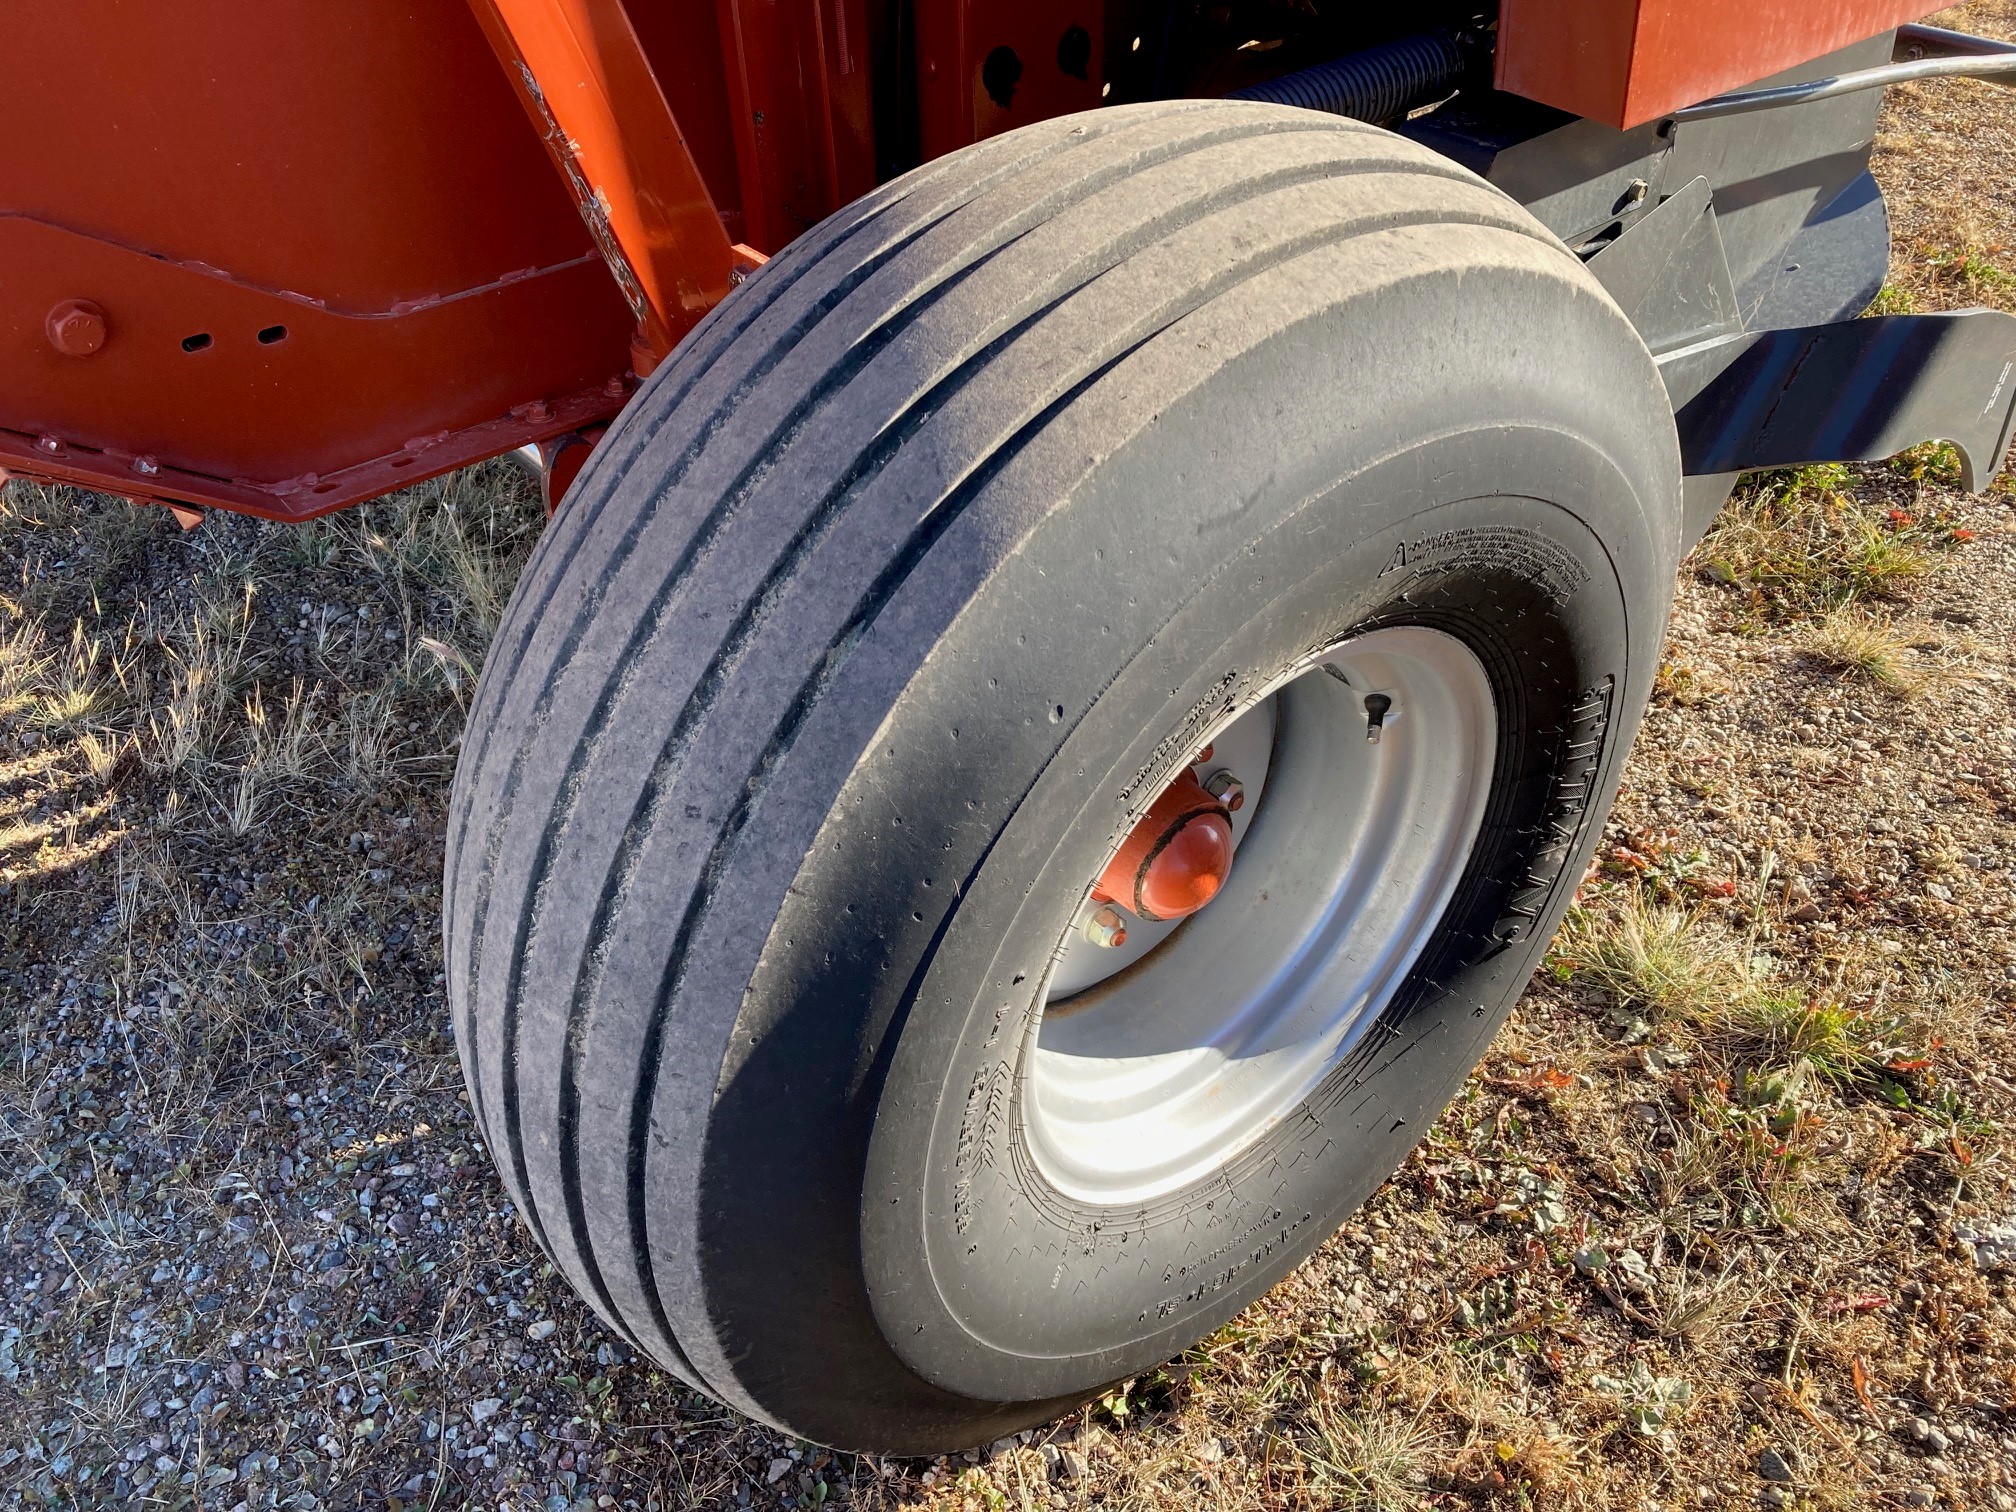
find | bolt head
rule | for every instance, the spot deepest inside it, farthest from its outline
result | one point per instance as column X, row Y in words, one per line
column 1107, row 928
column 76, row 328
column 1227, row 789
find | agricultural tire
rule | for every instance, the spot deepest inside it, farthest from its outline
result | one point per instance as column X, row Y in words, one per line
column 870, row 630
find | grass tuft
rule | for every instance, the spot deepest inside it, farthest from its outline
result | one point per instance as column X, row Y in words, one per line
column 1852, row 640
column 1657, row 959
column 1843, row 1044
column 1801, row 543
column 1367, row 1461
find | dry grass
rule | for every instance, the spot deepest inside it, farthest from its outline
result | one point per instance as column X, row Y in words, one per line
column 212, row 757
column 1810, row 542
column 1855, row 641
column 1655, row 959
column 1379, row 1460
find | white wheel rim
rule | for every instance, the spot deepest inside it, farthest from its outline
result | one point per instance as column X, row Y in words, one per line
column 1156, row 1064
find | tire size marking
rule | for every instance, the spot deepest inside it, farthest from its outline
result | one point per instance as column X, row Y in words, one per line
column 1223, row 1277
column 1507, row 548
column 979, row 1126
column 1185, row 737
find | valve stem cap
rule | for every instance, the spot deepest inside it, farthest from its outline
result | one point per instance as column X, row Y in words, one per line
column 1106, row 928
column 1227, row 789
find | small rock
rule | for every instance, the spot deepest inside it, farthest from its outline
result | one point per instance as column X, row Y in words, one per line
column 1771, row 1465
column 401, row 1224
column 1931, row 1435
column 1921, row 1496
column 543, row 1329
column 483, row 1411
column 1774, row 1496
column 779, row 1468
column 1071, row 1466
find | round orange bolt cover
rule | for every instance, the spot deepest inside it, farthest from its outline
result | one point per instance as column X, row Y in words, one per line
column 76, row 328
column 1176, row 857
column 1188, row 870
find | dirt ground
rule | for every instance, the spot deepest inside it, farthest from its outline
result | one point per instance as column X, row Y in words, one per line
column 1727, row 1218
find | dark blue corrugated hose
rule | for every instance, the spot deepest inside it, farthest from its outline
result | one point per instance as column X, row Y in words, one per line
column 1379, row 84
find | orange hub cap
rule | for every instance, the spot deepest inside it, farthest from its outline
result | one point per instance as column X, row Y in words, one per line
column 1174, row 861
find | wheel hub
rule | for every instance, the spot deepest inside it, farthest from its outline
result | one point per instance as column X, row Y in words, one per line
column 1174, row 861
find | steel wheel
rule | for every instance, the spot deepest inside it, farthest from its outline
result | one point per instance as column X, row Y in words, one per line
column 1158, row 1061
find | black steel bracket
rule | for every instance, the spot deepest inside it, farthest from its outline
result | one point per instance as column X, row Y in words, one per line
column 1851, row 391
column 1840, row 391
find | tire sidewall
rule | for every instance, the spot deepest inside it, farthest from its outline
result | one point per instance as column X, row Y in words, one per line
column 989, row 1281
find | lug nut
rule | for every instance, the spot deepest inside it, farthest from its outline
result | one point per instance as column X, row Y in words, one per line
column 1106, row 928
column 1227, row 789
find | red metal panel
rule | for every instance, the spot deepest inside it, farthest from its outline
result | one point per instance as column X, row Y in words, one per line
column 357, row 177
column 207, row 374
column 682, row 39
column 1631, row 61
column 799, row 93
column 987, row 66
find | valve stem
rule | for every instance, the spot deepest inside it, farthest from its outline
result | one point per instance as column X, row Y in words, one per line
column 1376, row 705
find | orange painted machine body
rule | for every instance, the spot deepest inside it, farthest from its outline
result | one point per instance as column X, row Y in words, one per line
column 1626, row 62
column 281, row 257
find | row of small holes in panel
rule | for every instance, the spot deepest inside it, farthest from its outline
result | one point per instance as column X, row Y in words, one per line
column 201, row 342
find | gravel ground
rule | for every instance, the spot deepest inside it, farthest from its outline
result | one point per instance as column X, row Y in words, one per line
column 1725, row 1219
